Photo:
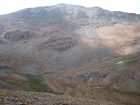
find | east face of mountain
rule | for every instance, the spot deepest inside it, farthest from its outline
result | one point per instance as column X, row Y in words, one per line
column 64, row 36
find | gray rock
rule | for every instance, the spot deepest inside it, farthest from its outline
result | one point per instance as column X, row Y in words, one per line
column 3, row 73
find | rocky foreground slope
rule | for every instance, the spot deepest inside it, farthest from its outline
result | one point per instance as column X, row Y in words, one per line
column 32, row 98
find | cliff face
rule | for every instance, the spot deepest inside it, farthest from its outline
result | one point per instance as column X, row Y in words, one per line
column 63, row 36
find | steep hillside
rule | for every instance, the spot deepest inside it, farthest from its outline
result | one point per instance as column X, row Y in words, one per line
column 71, row 50
column 116, row 80
column 63, row 36
column 104, row 82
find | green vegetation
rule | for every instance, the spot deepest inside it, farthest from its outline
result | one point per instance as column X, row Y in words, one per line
column 33, row 83
column 134, row 61
column 126, row 92
column 46, row 73
column 28, row 82
column 128, row 59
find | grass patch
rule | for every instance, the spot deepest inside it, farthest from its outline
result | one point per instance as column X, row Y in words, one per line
column 134, row 61
column 33, row 83
column 111, row 63
column 126, row 92
column 28, row 82
column 46, row 73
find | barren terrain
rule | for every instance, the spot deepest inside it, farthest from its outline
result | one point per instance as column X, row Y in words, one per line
column 90, row 55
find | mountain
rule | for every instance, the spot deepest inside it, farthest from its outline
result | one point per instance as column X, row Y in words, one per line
column 65, row 36
column 74, row 49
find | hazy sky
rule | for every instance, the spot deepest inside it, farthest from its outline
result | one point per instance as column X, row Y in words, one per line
column 132, row 6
